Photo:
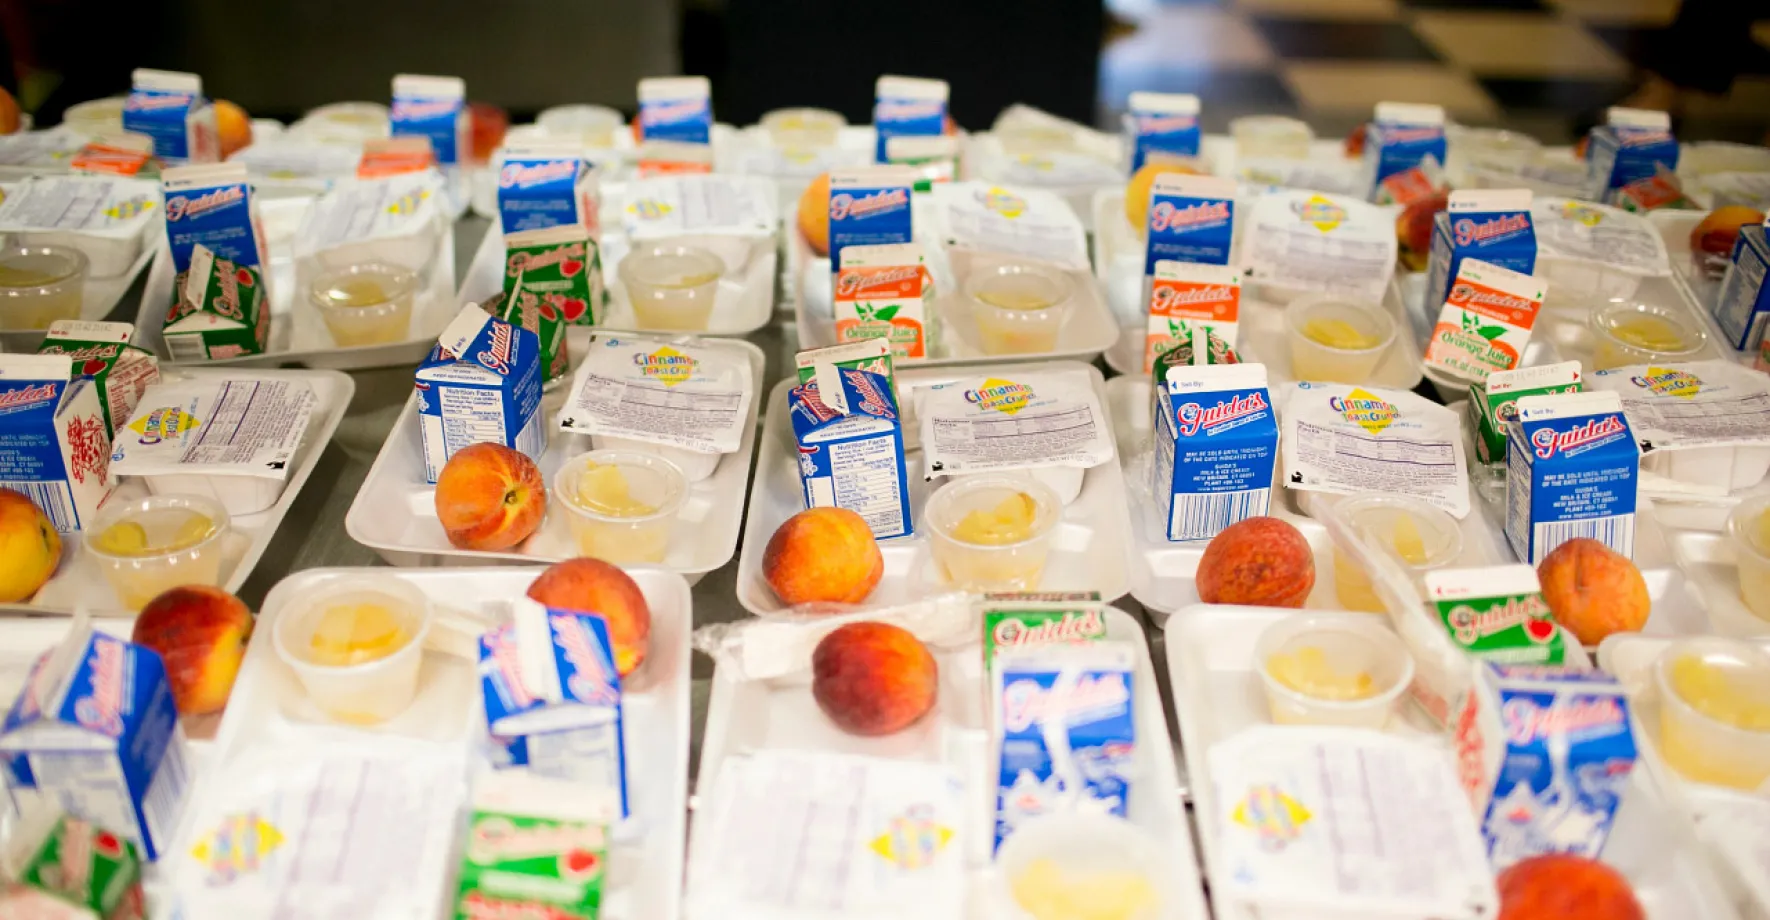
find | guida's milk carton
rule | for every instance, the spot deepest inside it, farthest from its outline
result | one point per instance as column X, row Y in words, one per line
column 212, row 206
column 1544, row 754
column 1743, row 306
column 678, row 109
column 1493, row 226
column 1191, row 219
column 54, row 444
column 482, row 382
column 1165, row 124
column 94, row 732
column 546, row 185
column 1633, row 145
column 869, row 206
column 1571, row 471
column 1216, row 441
column 169, row 108
column 101, row 351
column 907, row 107
column 434, row 108
column 1404, row 148
column 851, row 448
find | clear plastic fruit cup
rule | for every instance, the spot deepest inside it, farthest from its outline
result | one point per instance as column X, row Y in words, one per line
column 95, row 116
column 992, row 533
column 672, row 287
column 1332, row 669
column 1626, row 333
column 1714, row 716
column 366, row 304
column 1336, row 339
column 1494, row 148
column 1421, row 536
column 591, row 125
column 1019, row 306
column 621, row 504
column 357, row 646
column 150, row 545
column 1081, row 864
column 39, row 285
column 341, row 122
column 1748, row 528
column 1261, row 136
column 803, row 129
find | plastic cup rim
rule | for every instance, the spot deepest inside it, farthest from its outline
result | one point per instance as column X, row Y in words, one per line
column 1699, row 645
column 616, row 456
column 405, row 277
column 1300, row 623
column 367, row 584
column 77, row 261
column 210, row 508
column 1294, row 313
column 632, row 272
column 1049, row 508
column 1352, row 507
column 1058, row 278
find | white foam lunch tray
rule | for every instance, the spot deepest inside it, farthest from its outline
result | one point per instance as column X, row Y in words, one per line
column 297, row 334
column 1217, row 694
column 1674, row 231
column 79, row 583
column 780, row 714
column 394, row 513
column 1709, row 561
column 1089, row 546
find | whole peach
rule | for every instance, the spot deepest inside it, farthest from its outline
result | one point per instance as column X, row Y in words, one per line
column 30, row 547
column 1560, row 886
column 233, row 126
column 593, row 586
column 1593, row 591
column 1719, row 229
column 200, row 633
column 814, row 215
column 823, row 554
column 873, row 678
column 1259, row 562
column 1413, row 229
column 489, row 497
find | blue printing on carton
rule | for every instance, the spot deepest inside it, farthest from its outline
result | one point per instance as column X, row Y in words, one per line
column 1187, row 229
column 1619, row 155
column 906, row 117
column 219, row 217
column 1503, row 238
column 435, row 118
column 536, row 193
column 1097, row 724
column 1570, row 477
column 1742, row 308
column 31, row 459
column 685, row 120
column 161, row 115
column 874, row 216
column 854, row 464
column 117, row 691
column 501, row 372
column 1397, row 148
column 1162, row 132
column 1214, row 456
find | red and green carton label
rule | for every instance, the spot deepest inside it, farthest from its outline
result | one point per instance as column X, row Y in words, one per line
column 120, row 371
column 552, row 279
column 1497, row 613
column 1494, row 403
column 521, row 867
column 219, row 310
column 1014, row 620
column 75, row 870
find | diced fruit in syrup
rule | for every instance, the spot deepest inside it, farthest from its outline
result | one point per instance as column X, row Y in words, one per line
column 195, row 529
column 1014, row 300
column 1011, row 521
column 124, row 538
column 1763, row 534
column 349, row 634
column 1720, row 693
column 603, row 489
column 1650, row 333
column 1047, row 891
column 130, row 538
column 1407, row 541
column 1308, row 672
column 1337, row 333
column 356, row 292
column 11, row 276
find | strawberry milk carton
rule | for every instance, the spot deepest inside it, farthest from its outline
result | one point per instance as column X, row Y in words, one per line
column 54, row 444
column 869, row 206
column 546, row 185
column 1491, row 225
column 1165, row 124
column 169, row 107
column 907, row 107
column 878, row 295
column 1633, row 144
column 1404, row 150
column 482, row 382
column 677, row 109
column 1572, row 466
column 1216, row 442
column 101, row 351
column 1193, row 308
column 1485, row 322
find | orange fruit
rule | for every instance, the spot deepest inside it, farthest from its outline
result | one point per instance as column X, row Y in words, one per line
column 1138, row 190
column 234, row 126
column 814, row 215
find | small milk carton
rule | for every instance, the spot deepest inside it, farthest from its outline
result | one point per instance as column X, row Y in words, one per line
column 1485, row 321
column 878, row 295
column 220, row 310
column 1161, row 123
column 1544, row 754
column 1493, row 226
column 64, row 868
column 678, row 109
column 907, row 107
column 536, row 848
column 546, row 185
column 54, row 445
column 851, row 448
column 434, row 108
column 1192, row 308
column 553, row 699
column 101, row 351
column 1571, row 471
column 1497, row 613
column 1191, row 219
column 169, row 107
column 1013, row 621
column 1633, row 145
column 1216, row 441
column 482, row 382
column 1743, row 306
column 552, row 279
column 1404, row 148
column 869, row 206
column 1494, row 404
column 212, row 206
column 872, row 355
column 94, row 732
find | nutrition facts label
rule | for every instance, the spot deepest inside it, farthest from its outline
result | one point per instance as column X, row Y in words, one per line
column 1066, row 433
column 864, row 479
column 1312, row 242
column 470, row 415
column 252, row 422
column 1339, row 461
column 1576, row 230
column 695, row 418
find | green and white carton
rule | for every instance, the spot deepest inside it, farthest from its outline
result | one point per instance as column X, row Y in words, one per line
column 219, row 310
column 552, row 279
column 61, row 868
column 1013, row 620
column 536, row 847
column 119, row 370
column 1497, row 613
column 1493, row 404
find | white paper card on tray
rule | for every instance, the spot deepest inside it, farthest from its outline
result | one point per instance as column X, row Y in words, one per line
column 1588, row 232
column 1349, row 439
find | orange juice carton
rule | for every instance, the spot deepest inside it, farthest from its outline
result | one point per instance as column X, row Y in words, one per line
column 1485, row 322
column 907, row 107
column 1191, row 219
column 676, row 109
column 1305, row 241
column 543, row 185
column 879, row 296
column 869, row 206
column 395, row 156
column 1165, row 123
column 125, row 154
column 1632, row 145
column 1572, row 467
column 434, row 108
column 1194, row 308
column 1404, row 152
column 170, row 108
column 1494, row 226
column 1216, row 441
column 54, row 444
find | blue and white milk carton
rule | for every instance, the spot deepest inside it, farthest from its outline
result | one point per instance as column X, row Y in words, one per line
column 1191, row 219
column 1161, row 123
column 851, row 452
column 482, row 382
column 1216, row 442
column 94, row 733
column 546, row 185
column 870, row 206
column 1492, row 225
column 1571, row 471
column 1742, row 308
column 676, row 109
column 553, row 699
column 1065, row 722
column 54, row 446
column 169, row 108
column 213, row 206
column 907, row 107
column 1630, row 146
column 1404, row 146
column 434, row 108
column 1545, row 755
